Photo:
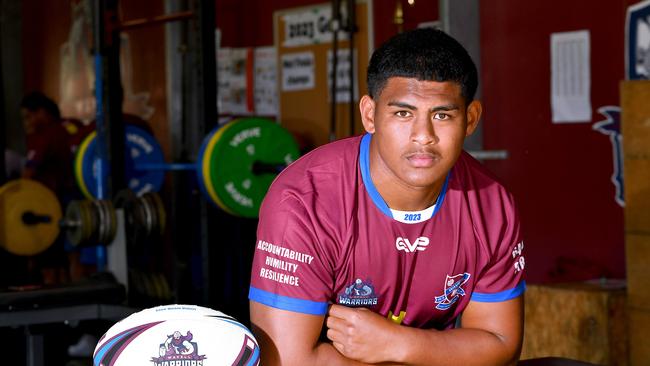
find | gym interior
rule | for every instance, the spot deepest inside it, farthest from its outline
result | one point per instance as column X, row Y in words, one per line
column 181, row 113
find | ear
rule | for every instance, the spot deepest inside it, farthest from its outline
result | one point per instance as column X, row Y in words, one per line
column 367, row 109
column 474, row 111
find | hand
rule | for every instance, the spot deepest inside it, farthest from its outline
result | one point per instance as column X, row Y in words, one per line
column 360, row 334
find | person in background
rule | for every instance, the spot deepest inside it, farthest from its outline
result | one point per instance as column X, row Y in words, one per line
column 51, row 141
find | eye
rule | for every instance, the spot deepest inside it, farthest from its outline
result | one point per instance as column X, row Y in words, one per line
column 402, row 114
column 441, row 116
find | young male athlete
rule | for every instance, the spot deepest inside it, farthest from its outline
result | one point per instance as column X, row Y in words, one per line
column 384, row 240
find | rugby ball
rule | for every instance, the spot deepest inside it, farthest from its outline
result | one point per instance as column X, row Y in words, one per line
column 177, row 335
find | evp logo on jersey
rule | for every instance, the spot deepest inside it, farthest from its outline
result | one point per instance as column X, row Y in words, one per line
column 453, row 289
column 359, row 293
column 404, row 244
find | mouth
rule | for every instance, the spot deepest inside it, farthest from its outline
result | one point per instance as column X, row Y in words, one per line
column 422, row 159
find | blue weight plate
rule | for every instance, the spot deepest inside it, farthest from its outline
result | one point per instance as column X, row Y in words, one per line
column 141, row 148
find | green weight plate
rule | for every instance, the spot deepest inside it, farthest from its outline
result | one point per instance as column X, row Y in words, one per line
column 239, row 147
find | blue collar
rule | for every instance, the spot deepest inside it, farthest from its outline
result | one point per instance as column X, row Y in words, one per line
column 364, row 165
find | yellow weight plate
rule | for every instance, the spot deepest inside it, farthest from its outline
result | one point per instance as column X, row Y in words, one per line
column 205, row 166
column 78, row 165
column 29, row 217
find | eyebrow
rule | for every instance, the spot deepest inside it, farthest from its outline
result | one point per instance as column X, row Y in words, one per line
column 447, row 107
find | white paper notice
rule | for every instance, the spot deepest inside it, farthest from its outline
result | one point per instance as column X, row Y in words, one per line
column 231, row 88
column 298, row 71
column 570, row 77
column 266, row 87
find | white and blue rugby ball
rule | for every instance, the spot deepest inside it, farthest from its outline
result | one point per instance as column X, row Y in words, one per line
column 177, row 335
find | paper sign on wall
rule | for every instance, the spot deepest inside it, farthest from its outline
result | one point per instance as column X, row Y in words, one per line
column 231, row 87
column 309, row 27
column 298, row 71
column 266, row 70
column 570, row 77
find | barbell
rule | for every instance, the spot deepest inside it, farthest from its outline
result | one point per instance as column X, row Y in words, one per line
column 235, row 166
column 31, row 218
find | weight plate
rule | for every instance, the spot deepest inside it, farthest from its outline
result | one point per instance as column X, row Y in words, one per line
column 138, row 228
column 22, row 198
column 91, row 229
column 141, row 148
column 205, row 162
column 112, row 228
column 79, row 164
column 101, row 220
column 157, row 208
column 148, row 215
column 93, row 220
column 77, row 222
column 243, row 143
column 107, row 221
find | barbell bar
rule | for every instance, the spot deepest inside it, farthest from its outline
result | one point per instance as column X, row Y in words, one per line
column 31, row 218
column 235, row 166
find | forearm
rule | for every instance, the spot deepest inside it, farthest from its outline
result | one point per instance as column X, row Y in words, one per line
column 322, row 354
column 461, row 346
column 325, row 354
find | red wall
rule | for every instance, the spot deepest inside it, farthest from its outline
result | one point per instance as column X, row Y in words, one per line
column 559, row 173
column 250, row 23
column 43, row 34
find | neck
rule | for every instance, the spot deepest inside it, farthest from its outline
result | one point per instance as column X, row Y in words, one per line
column 399, row 195
column 405, row 198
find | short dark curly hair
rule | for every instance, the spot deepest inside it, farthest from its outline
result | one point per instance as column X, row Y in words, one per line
column 424, row 54
column 36, row 100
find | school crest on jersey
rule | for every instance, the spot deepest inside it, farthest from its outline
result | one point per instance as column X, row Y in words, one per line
column 453, row 289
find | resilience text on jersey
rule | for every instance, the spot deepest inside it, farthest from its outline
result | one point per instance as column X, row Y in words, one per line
column 284, row 252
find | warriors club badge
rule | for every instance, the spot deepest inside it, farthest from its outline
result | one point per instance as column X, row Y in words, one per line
column 180, row 349
column 359, row 293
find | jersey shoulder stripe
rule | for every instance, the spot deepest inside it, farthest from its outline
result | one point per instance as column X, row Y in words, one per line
column 287, row 303
column 504, row 295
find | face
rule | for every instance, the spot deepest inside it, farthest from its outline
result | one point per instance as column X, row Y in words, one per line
column 33, row 119
column 418, row 131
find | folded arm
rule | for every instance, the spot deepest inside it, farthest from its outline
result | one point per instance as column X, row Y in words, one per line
column 491, row 334
column 289, row 338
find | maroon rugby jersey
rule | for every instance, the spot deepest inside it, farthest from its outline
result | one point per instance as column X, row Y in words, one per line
column 326, row 236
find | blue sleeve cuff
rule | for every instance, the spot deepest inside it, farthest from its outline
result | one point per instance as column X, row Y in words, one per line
column 500, row 296
column 287, row 303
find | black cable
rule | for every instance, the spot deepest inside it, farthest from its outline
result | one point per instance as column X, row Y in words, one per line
column 352, row 28
column 335, row 25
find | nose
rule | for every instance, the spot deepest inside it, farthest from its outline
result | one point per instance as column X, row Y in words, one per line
column 423, row 131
